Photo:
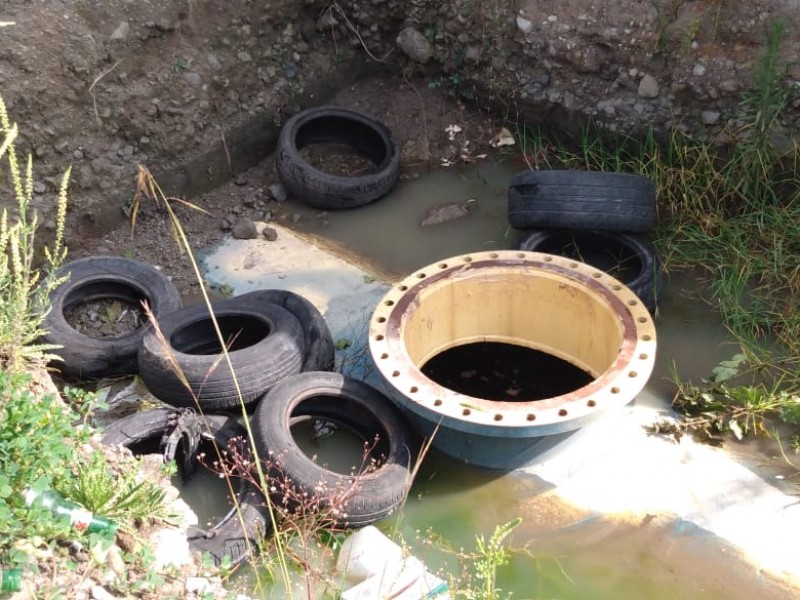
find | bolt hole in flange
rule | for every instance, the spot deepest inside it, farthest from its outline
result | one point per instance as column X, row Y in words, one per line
column 508, row 349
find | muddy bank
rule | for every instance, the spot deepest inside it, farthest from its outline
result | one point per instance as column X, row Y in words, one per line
column 197, row 89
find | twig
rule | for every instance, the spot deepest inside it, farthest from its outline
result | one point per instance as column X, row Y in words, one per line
column 91, row 90
column 225, row 147
column 352, row 28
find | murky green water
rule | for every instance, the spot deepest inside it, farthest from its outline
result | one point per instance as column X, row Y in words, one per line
column 562, row 552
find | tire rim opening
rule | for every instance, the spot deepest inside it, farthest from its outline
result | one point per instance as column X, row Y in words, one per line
column 238, row 331
column 336, row 444
column 602, row 251
column 343, row 132
column 104, row 310
column 504, row 372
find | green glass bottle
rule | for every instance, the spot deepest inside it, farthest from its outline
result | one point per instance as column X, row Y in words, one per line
column 10, row 580
column 80, row 518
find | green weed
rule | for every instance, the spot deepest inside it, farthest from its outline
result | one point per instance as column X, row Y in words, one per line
column 24, row 289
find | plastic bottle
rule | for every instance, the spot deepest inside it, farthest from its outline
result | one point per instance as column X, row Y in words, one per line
column 10, row 580
column 80, row 518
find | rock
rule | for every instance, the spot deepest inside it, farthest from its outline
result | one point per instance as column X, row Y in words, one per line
column 415, row 45
column 709, row 117
column 245, row 230
column 244, row 57
column 121, row 32
column 240, row 179
column 192, row 78
column 270, row 234
column 648, row 87
column 170, row 548
column 290, row 70
column 524, row 25
column 473, row 55
column 225, row 225
column 277, row 192
column 213, row 62
column 446, row 212
column 699, row 70
column 101, row 593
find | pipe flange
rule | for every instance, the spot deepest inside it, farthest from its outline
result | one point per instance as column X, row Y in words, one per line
column 544, row 302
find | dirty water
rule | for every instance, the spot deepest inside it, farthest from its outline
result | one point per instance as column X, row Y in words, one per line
column 569, row 552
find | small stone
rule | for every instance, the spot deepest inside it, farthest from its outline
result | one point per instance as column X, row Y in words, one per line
column 290, row 70
column 244, row 57
column 296, row 218
column 699, row 70
column 270, row 234
column 326, row 20
column 199, row 586
column 39, row 187
column 415, row 45
column 121, row 32
column 277, row 192
column 192, row 78
column 245, row 230
column 473, row 55
column 524, row 25
column 240, row 179
column 225, row 225
column 213, row 62
column 709, row 117
column 100, row 593
column 648, row 87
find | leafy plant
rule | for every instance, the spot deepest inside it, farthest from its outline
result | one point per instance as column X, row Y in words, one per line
column 24, row 290
column 37, row 448
column 718, row 406
column 490, row 555
column 121, row 494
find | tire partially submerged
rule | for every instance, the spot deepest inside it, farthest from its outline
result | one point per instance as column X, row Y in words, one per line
column 582, row 200
column 630, row 258
column 265, row 343
column 353, row 499
column 179, row 434
column 330, row 124
column 104, row 278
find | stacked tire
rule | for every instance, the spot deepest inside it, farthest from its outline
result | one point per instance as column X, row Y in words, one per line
column 276, row 365
column 600, row 218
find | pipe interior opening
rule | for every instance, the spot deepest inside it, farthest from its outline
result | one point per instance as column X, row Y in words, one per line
column 528, row 307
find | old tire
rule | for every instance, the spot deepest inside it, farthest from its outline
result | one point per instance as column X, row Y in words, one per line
column 237, row 533
column 316, row 334
column 581, row 200
column 96, row 278
column 630, row 258
column 265, row 344
column 354, row 500
column 330, row 124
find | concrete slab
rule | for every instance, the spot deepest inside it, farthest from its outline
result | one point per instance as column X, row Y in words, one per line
column 612, row 467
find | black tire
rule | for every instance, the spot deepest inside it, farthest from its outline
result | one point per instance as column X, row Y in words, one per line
column 630, row 258
column 330, row 124
column 147, row 432
column 316, row 334
column 238, row 532
column 582, row 200
column 267, row 346
column 354, row 500
column 95, row 278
